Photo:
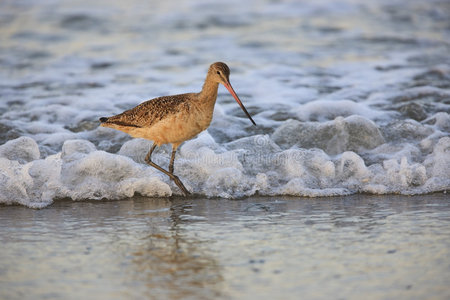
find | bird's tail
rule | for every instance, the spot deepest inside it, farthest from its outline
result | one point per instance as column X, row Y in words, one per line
column 103, row 119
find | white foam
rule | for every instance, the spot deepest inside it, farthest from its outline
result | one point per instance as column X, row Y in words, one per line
column 352, row 133
column 23, row 149
column 241, row 168
column 98, row 175
column 438, row 166
column 13, row 182
column 323, row 110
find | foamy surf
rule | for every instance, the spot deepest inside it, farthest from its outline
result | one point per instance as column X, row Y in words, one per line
column 246, row 167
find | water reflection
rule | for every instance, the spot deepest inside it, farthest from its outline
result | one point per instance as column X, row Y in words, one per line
column 174, row 264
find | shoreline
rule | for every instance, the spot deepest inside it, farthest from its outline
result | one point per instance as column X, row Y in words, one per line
column 194, row 196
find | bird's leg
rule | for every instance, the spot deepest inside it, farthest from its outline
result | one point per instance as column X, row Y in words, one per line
column 172, row 176
column 172, row 159
column 175, row 178
column 148, row 157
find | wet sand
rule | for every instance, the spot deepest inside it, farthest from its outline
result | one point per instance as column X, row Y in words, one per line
column 376, row 247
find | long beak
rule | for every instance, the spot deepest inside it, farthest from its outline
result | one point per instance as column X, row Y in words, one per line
column 233, row 93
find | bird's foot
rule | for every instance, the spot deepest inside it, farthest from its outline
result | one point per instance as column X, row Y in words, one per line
column 180, row 185
column 170, row 174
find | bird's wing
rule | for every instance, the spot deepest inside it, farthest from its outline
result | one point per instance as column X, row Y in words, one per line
column 151, row 111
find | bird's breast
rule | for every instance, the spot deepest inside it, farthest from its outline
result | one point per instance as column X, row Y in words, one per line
column 179, row 127
column 197, row 121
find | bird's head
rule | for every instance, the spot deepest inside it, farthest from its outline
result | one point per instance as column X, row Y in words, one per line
column 220, row 73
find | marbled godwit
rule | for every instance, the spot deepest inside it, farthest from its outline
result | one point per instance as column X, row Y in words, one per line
column 175, row 119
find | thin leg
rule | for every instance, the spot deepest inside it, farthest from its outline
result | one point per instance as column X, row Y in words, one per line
column 171, row 175
column 172, row 159
column 148, row 157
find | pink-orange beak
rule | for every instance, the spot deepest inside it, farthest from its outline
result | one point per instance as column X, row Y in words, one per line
column 233, row 93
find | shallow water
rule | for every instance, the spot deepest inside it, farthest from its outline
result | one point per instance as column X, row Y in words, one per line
column 372, row 247
column 349, row 97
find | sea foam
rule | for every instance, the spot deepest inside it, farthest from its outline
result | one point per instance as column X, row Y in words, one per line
column 80, row 171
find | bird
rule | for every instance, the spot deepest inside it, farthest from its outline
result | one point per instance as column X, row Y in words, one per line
column 175, row 119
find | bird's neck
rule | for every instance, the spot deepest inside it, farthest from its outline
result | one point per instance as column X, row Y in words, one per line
column 208, row 95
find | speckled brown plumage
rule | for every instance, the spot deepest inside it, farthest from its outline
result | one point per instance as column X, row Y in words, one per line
column 149, row 112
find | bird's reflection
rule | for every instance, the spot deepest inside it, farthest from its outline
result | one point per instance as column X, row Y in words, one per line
column 172, row 262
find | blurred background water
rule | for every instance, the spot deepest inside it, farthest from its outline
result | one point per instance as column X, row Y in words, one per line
column 64, row 63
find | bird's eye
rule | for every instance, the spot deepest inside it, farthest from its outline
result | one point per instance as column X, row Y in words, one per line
column 218, row 72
